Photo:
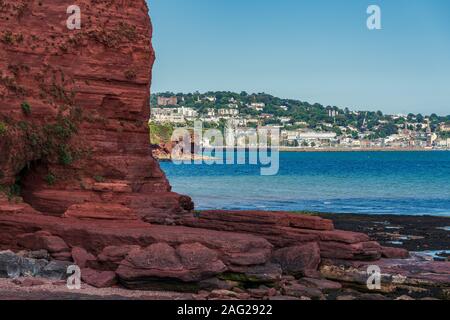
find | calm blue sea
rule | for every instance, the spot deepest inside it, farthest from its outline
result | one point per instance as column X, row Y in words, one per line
column 413, row 183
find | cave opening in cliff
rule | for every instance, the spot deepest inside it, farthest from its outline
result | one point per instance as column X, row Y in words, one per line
column 22, row 177
column 27, row 177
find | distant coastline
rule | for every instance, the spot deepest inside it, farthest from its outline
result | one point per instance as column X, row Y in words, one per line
column 167, row 157
column 295, row 149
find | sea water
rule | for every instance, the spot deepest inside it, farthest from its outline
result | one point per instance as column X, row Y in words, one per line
column 403, row 183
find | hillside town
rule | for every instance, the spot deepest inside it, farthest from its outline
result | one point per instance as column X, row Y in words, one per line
column 301, row 125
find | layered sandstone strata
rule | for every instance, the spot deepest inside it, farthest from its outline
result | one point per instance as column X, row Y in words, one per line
column 74, row 110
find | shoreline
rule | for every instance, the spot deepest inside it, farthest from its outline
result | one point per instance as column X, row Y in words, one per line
column 414, row 233
column 312, row 150
column 283, row 149
column 417, row 234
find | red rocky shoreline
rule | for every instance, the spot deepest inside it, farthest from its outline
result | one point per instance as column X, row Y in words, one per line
column 220, row 254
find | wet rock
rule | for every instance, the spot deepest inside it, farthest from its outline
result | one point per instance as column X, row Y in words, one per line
column 269, row 273
column 14, row 266
column 420, row 278
column 39, row 254
column 394, row 253
column 55, row 270
column 9, row 265
column 32, row 267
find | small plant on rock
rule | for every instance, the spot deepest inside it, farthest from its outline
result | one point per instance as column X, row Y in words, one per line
column 26, row 108
column 99, row 179
column 3, row 128
column 50, row 179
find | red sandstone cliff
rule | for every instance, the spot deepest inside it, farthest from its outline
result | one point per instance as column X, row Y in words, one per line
column 74, row 145
column 74, row 107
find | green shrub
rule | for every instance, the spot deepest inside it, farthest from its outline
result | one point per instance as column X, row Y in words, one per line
column 64, row 155
column 26, row 108
column 23, row 125
column 7, row 38
column 99, row 178
column 3, row 128
column 50, row 179
column 160, row 133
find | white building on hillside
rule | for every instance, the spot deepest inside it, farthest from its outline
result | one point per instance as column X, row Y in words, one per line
column 228, row 112
column 258, row 106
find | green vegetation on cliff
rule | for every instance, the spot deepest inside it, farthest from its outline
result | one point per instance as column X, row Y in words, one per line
column 160, row 133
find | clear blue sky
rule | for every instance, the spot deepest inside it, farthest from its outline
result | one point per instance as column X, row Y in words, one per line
column 316, row 51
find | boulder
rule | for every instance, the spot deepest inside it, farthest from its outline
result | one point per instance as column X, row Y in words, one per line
column 81, row 257
column 298, row 260
column 14, row 266
column 62, row 256
column 39, row 254
column 43, row 240
column 98, row 279
column 394, row 253
column 55, row 270
column 421, row 278
column 111, row 256
column 160, row 261
column 269, row 273
column 9, row 265
column 370, row 250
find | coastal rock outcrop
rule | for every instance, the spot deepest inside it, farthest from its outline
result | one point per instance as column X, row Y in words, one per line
column 74, row 108
column 284, row 230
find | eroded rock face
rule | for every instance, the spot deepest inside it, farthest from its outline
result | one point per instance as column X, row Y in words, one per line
column 163, row 263
column 298, row 260
column 74, row 106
